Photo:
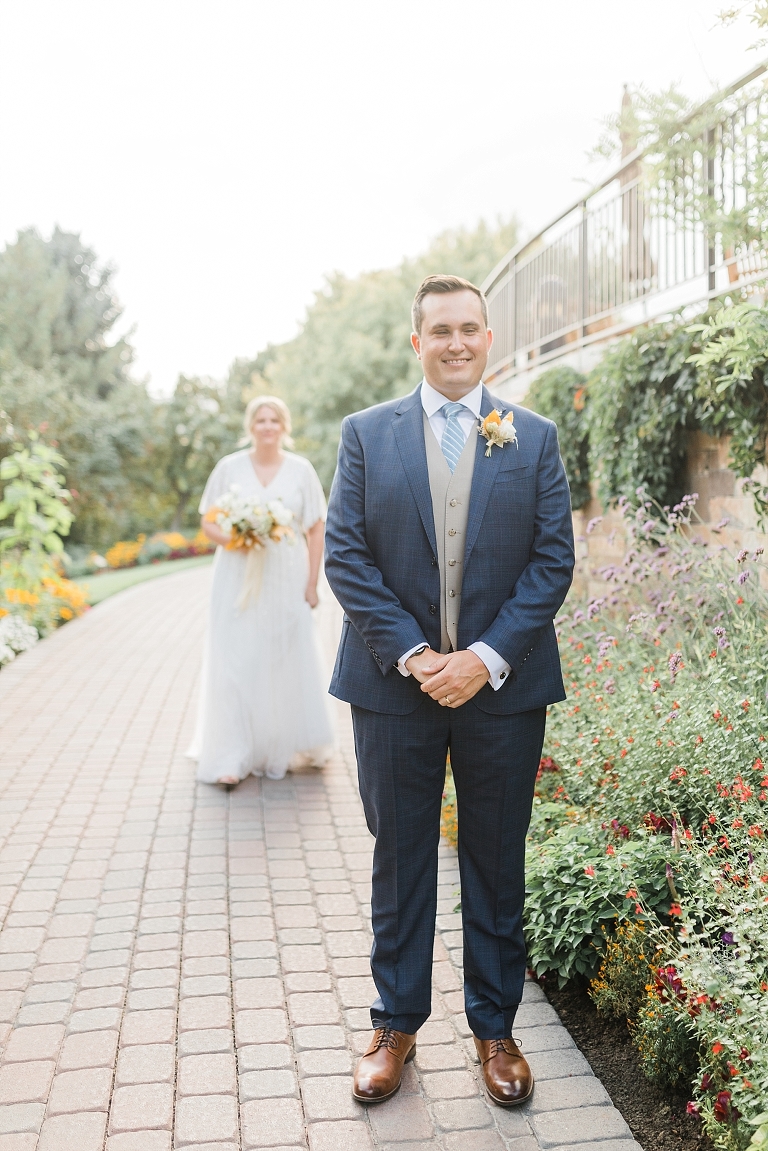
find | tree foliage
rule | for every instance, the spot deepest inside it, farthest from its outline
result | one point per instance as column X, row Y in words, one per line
column 65, row 373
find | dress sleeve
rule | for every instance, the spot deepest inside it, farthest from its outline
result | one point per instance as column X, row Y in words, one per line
column 215, row 487
column 314, row 507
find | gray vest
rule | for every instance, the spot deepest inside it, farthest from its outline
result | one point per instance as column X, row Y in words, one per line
column 450, row 508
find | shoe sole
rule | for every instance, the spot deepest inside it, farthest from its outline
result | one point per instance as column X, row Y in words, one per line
column 510, row 1102
column 394, row 1091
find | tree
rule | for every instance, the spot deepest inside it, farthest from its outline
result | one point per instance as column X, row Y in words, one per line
column 201, row 424
column 65, row 373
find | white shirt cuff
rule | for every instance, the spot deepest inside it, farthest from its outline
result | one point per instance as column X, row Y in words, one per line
column 400, row 665
column 499, row 668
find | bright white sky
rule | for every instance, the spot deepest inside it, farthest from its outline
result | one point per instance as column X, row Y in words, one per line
column 226, row 154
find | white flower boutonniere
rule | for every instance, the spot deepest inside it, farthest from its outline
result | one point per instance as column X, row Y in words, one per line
column 498, row 431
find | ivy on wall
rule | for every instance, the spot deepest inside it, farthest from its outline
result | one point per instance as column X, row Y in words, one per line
column 625, row 426
column 561, row 395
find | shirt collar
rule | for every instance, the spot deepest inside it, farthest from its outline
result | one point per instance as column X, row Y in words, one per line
column 432, row 400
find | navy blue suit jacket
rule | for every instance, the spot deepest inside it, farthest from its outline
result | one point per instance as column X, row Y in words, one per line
column 381, row 558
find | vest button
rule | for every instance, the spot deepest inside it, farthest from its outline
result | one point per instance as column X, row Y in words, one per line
column 453, row 503
column 451, row 593
column 432, row 608
column 451, row 563
column 452, row 531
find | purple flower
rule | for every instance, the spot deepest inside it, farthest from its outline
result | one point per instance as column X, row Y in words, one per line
column 675, row 663
column 741, row 556
column 743, row 577
column 648, row 526
column 593, row 524
column 610, row 686
column 727, row 938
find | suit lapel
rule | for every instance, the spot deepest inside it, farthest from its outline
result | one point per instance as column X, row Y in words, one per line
column 408, row 429
column 483, row 479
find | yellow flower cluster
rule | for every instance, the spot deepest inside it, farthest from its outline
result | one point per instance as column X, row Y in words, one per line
column 125, row 553
column 72, row 596
column 19, row 595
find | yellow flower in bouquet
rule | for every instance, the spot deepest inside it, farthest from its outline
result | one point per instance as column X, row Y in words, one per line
column 251, row 527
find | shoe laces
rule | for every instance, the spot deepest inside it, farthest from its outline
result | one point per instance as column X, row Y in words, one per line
column 385, row 1037
column 499, row 1047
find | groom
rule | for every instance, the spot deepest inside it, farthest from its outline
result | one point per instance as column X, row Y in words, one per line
column 450, row 556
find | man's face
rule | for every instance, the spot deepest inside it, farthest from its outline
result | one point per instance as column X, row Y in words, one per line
column 454, row 342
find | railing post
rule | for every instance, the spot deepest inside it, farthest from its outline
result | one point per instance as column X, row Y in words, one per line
column 709, row 238
column 583, row 269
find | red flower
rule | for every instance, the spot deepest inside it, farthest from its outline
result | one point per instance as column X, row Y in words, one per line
column 706, row 1082
column 675, row 909
column 713, row 654
column 739, row 599
column 717, row 1047
column 590, row 871
column 610, row 849
column 723, row 1110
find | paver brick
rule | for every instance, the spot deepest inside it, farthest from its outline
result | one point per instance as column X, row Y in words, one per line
column 140, row 1141
column 204, row 1012
column 85, row 1090
column 206, row 1119
column 400, row 1119
column 25, row 1082
column 150, row 1063
column 583, row 1125
column 73, row 1132
column 329, row 1097
column 88, row 1049
column 32, row 1043
column 148, row 1027
column 145, row 1105
column 266, row 1026
column 344, row 1135
column 457, row 1084
column 207, row 1075
column 21, row 1117
column 458, row 1114
column 560, row 1094
column 268, row 1084
column 271, row 1123
column 264, row 1057
column 219, row 1039
column 254, row 993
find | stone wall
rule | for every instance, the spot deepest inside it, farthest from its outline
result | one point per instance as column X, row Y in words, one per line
column 720, row 498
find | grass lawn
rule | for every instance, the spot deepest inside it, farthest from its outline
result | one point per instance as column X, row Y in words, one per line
column 99, row 587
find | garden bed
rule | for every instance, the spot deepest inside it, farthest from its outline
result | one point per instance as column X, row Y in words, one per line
column 656, row 1116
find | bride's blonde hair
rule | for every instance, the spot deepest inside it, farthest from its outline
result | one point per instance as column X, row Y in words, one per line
column 279, row 407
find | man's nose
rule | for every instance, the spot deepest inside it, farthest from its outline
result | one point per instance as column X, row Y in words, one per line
column 457, row 341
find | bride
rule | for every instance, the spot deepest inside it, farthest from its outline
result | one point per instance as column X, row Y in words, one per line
column 263, row 696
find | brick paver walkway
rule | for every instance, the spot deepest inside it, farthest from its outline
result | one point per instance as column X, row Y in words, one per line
column 180, row 967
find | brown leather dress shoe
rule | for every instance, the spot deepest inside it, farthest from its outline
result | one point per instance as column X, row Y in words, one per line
column 508, row 1078
column 378, row 1074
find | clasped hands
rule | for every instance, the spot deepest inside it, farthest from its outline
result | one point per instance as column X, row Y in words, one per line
column 450, row 679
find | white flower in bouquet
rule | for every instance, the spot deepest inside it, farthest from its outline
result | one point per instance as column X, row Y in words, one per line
column 249, row 524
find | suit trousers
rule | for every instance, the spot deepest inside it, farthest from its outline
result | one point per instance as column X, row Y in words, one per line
column 401, row 769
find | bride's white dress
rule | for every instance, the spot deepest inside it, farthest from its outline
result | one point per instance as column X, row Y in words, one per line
column 263, row 696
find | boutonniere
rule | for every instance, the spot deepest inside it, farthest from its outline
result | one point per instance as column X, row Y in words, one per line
column 498, row 431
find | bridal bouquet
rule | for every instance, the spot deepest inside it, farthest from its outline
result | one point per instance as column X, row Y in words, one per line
column 252, row 527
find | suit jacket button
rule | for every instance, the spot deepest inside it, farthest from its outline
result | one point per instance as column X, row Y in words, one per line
column 452, row 532
column 451, row 593
column 453, row 503
column 432, row 608
column 451, row 563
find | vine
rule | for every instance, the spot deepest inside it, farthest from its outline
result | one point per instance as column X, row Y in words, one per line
column 560, row 394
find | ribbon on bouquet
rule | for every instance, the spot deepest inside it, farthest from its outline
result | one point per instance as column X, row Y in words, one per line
column 254, row 570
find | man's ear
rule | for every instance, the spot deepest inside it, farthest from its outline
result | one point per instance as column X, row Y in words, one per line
column 416, row 344
column 490, row 338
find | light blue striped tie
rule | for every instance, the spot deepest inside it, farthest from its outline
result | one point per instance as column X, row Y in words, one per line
column 452, row 442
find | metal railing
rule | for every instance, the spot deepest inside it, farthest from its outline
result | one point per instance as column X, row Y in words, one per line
column 632, row 251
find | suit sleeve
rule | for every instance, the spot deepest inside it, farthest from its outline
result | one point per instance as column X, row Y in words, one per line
column 543, row 585
column 375, row 612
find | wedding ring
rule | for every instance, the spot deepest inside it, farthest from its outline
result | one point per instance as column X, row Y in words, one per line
column 447, row 699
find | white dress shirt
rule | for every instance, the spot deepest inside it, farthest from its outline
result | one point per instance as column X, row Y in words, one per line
column 432, row 401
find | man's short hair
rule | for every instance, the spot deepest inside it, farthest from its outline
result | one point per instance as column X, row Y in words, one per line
column 443, row 284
